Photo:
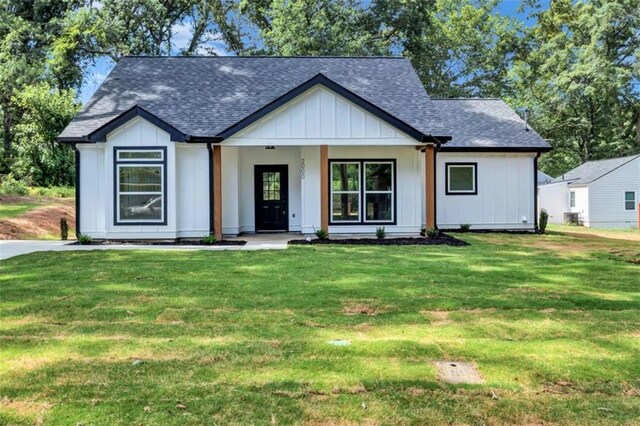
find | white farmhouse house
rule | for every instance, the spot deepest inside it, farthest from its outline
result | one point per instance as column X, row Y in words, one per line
column 603, row 194
column 182, row 147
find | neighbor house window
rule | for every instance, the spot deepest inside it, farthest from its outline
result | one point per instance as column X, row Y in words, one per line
column 140, row 186
column 572, row 199
column 461, row 178
column 629, row 200
column 362, row 191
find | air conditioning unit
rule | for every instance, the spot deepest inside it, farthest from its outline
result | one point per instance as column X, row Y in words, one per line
column 572, row 218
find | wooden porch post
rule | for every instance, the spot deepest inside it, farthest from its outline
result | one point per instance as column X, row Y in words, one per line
column 324, row 187
column 430, row 187
column 217, row 192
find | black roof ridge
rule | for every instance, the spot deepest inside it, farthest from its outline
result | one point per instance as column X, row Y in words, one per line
column 261, row 56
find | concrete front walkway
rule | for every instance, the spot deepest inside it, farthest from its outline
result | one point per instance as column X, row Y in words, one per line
column 11, row 248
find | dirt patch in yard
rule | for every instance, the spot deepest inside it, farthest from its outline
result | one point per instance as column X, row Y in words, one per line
column 361, row 309
column 42, row 222
column 26, row 408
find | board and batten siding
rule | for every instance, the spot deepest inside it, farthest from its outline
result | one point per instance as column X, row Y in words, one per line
column 317, row 117
column 554, row 198
column 238, row 181
column 505, row 198
column 187, row 195
column 606, row 197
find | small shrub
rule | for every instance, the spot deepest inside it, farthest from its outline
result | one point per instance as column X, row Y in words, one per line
column 322, row 234
column 84, row 239
column 381, row 233
column 542, row 223
column 11, row 186
column 64, row 229
column 432, row 233
column 464, row 227
column 209, row 240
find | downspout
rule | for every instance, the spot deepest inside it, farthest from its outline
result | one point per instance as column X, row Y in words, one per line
column 210, row 150
column 435, row 183
column 77, row 155
column 535, row 191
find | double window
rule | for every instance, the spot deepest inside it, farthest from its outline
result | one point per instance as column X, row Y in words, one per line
column 140, row 186
column 629, row 200
column 461, row 178
column 362, row 191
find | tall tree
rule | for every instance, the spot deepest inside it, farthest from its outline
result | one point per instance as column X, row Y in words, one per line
column 312, row 27
column 458, row 47
column 579, row 76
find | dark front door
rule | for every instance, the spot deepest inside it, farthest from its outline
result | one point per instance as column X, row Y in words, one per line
column 271, row 198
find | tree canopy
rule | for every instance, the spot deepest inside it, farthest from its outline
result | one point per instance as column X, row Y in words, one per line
column 573, row 66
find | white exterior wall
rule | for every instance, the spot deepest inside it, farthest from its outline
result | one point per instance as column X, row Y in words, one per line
column 192, row 190
column 505, row 198
column 408, row 188
column 554, row 198
column 93, row 188
column 606, row 198
column 187, row 186
column 317, row 117
column 582, row 203
column 238, row 195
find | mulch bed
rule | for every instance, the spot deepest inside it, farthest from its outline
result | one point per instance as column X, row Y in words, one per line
column 443, row 239
column 163, row 243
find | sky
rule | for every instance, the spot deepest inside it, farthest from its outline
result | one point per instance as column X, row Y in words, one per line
column 98, row 71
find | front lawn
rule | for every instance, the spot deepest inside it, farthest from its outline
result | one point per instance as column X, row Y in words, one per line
column 551, row 322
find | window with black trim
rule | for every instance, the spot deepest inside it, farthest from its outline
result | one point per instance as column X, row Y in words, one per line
column 362, row 191
column 629, row 200
column 140, row 186
column 461, row 178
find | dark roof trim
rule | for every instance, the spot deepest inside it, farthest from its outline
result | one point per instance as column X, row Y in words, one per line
column 335, row 87
column 100, row 134
column 496, row 149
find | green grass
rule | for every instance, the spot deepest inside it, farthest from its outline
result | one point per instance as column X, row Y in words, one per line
column 17, row 209
column 552, row 323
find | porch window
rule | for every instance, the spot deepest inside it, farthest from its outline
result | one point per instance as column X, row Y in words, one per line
column 629, row 200
column 345, row 192
column 362, row 191
column 140, row 186
column 461, row 178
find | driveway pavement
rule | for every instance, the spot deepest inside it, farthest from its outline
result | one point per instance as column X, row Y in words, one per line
column 11, row 248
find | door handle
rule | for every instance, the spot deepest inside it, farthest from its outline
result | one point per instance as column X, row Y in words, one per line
column 284, row 212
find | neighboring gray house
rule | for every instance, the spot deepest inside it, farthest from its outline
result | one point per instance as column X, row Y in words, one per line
column 605, row 193
column 180, row 147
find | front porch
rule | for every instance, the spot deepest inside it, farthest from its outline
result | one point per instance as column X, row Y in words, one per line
column 342, row 189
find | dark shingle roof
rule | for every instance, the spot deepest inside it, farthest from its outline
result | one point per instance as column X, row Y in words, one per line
column 592, row 170
column 485, row 123
column 203, row 96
